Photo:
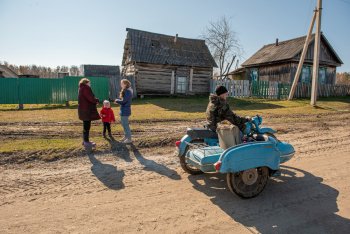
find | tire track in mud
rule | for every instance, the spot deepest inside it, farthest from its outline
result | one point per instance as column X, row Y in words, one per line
column 153, row 134
column 16, row 130
column 45, row 131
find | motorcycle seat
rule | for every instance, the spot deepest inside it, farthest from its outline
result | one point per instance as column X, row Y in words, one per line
column 201, row 133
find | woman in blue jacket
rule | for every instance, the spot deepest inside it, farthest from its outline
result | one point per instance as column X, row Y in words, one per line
column 124, row 101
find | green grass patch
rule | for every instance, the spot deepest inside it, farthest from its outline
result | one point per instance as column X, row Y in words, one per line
column 38, row 144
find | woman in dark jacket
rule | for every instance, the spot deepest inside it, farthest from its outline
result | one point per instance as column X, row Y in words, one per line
column 87, row 109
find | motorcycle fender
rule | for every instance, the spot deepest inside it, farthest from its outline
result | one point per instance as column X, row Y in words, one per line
column 183, row 145
column 267, row 130
column 248, row 156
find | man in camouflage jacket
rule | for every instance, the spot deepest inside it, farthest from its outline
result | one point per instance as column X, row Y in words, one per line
column 219, row 110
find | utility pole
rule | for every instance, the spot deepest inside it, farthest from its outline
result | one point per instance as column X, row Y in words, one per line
column 316, row 55
column 302, row 57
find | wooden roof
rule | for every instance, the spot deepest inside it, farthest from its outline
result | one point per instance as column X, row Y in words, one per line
column 7, row 72
column 287, row 50
column 100, row 70
column 148, row 47
column 237, row 71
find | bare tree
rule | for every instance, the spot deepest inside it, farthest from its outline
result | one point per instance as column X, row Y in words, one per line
column 224, row 45
column 41, row 71
column 74, row 71
column 343, row 78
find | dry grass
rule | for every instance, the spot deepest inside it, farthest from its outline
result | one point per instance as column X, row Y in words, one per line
column 175, row 108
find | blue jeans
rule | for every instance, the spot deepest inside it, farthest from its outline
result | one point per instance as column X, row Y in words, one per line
column 125, row 123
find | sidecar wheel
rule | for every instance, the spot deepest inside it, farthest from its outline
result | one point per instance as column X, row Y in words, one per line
column 188, row 168
column 185, row 166
column 248, row 183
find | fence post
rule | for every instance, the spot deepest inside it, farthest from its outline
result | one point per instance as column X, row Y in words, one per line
column 20, row 105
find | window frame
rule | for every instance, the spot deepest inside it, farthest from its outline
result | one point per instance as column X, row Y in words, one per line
column 182, row 82
column 253, row 75
column 324, row 79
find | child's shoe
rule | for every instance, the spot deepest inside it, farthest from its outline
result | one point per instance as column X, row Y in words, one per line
column 127, row 141
column 87, row 144
column 123, row 139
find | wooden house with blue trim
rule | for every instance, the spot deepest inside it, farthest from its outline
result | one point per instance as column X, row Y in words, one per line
column 279, row 62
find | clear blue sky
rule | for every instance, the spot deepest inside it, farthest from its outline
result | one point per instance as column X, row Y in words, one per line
column 74, row 32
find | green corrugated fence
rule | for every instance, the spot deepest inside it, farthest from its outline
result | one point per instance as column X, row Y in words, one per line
column 48, row 90
column 8, row 91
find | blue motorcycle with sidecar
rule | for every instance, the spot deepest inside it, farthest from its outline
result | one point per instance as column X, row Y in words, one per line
column 247, row 166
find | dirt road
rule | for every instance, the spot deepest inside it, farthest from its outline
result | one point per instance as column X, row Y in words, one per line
column 132, row 191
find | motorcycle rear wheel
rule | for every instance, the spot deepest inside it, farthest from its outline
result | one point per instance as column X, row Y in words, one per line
column 248, row 183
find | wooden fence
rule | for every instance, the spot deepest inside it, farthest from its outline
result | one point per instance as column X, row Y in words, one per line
column 276, row 90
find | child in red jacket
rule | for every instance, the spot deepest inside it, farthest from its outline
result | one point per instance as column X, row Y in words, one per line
column 107, row 117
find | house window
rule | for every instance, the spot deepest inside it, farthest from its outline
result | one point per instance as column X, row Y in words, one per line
column 254, row 74
column 305, row 76
column 181, row 85
column 322, row 75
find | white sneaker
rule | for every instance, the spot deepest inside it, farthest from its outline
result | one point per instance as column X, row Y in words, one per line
column 127, row 141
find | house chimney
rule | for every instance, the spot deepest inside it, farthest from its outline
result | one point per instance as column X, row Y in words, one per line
column 175, row 39
column 276, row 41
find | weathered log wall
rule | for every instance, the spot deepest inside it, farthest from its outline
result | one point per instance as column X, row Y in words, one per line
column 157, row 79
column 280, row 73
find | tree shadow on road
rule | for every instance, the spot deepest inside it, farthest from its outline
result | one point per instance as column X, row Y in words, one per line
column 150, row 165
column 107, row 173
column 296, row 202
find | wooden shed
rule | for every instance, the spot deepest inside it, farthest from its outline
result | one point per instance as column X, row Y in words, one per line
column 279, row 62
column 110, row 71
column 166, row 65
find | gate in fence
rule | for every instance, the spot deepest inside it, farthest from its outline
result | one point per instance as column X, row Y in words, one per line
column 48, row 90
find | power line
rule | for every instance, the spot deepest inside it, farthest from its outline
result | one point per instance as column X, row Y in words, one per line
column 345, row 1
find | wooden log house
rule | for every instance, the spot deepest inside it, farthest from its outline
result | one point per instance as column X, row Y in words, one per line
column 166, row 65
column 279, row 62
